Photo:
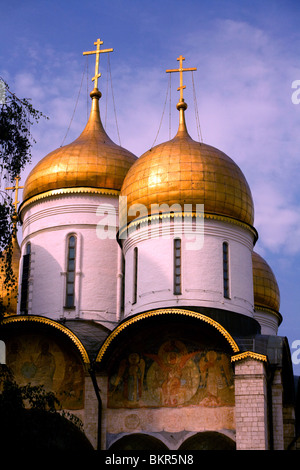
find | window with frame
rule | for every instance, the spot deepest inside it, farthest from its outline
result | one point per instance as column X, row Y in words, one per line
column 70, row 274
column 135, row 275
column 25, row 280
column 225, row 271
column 177, row 266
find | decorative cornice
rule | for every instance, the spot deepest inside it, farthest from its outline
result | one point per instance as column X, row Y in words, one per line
column 172, row 215
column 64, row 191
column 164, row 311
column 249, row 354
column 53, row 324
column 259, row 308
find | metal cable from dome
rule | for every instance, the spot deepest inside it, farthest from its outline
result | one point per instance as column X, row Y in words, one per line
column 170, row 111
column 87, row 87
column 196, row 111
column 74, row 108
column 106, row 98
column 169, row 86
column 112, row 92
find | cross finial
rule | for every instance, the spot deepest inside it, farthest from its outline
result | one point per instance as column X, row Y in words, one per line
column 181, row 70
column 98, row 51
column 16, row 189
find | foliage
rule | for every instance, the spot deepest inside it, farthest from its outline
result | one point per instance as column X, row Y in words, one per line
column 31, row 416
column 16, row 117
column 16, row 141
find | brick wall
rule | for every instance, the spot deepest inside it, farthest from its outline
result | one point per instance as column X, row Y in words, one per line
column 251, row 405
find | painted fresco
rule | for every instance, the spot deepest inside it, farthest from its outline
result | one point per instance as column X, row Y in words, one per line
column 41, row 361
column 172, row 377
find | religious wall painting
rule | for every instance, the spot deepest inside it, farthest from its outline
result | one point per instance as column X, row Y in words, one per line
column 40, row 360
column 172, row 376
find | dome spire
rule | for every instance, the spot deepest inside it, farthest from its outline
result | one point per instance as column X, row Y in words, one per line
column 181, row 105
column 94, row 124
column 98, row 51
column 92, row 161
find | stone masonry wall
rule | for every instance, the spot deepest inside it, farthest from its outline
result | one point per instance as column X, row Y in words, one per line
column 91, row 413
column 251, row 405
column 277, row 411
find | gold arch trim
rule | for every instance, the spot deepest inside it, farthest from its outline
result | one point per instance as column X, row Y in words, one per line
column 63, row 191
column 53, row 324
column 153, row 313
column 249, row 354
column 205, row 215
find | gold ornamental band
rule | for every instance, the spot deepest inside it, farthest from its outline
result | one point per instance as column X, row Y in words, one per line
column 164, row 311
column 53, row 324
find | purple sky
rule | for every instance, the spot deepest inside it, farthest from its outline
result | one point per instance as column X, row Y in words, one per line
column 247, row 56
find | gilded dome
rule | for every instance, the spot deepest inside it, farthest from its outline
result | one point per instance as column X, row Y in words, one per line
column 183, row 171
column 92, row 160
column 266, row 291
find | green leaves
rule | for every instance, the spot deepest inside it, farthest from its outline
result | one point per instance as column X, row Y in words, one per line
column 32, row 418
column 16, row 117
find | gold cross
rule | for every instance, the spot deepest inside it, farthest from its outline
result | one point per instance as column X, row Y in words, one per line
column 98, row 51
column 16, row 189
column 180, row 70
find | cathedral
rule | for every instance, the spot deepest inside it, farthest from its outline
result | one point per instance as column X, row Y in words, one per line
column 142, row 303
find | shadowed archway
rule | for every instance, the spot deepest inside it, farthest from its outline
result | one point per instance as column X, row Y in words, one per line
column 138, row 441
column 209, row 440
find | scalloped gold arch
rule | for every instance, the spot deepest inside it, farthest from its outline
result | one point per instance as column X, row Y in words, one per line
column 53, row 324
column 249, row 354
column 165, row 311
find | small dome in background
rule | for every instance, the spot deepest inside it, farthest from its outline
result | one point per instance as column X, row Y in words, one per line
column 266, row 290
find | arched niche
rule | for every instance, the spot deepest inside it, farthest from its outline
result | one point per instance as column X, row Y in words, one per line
column 138, row 441
column 169, row 360
column 208, row 440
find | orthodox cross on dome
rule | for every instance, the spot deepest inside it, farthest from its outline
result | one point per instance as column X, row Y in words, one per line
column 98, row 51
column 181, row 70
column 16, row 189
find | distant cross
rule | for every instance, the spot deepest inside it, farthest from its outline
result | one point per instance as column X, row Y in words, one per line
column 98, row 51
column 16, row 189
column 181, row 70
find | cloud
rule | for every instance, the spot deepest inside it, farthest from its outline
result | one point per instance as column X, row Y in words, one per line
column 277, row 220
column 247, row 111
column 243, row 86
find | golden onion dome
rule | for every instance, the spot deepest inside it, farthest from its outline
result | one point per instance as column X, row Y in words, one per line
column 93, row 160
column 266, row 290
column 8, row 295
column 183, row 171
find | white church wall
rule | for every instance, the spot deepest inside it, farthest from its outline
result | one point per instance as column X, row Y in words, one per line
column 47, row 224
column 202, row 269
column 268, row 321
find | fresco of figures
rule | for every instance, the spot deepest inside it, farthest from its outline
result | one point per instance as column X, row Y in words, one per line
column 38, row 360
column 173, row 376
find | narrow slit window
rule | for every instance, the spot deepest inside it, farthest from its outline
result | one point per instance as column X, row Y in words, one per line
column 123, row 284
column 225, row 271
column 70, row 280
column 25, row 280
column 177, row 266
column 135, row 275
